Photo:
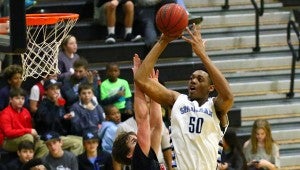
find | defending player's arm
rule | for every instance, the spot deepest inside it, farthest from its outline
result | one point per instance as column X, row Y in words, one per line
column 224, row 100
column 155, row 119
column 152, row 88
column 141, row 116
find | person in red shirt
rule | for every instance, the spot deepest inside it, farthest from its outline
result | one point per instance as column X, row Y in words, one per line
column 16, row 124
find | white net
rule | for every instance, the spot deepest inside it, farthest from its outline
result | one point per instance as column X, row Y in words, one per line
column 43, row 41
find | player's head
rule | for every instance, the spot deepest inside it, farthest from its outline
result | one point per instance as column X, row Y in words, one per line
column 200, row 85
column 13, row 75
column 123, row 147
column 69, row 44
column 261, row 133
column 112, row 71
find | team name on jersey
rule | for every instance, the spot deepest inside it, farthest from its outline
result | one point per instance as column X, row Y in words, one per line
column 186, row 109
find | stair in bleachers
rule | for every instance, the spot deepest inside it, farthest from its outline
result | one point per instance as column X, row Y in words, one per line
column 259, row 80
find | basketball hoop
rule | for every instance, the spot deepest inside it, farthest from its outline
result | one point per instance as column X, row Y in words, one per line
column 45, row 33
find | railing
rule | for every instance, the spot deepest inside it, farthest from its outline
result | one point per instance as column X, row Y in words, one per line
column 258, row 12
column 295, row 56
column 226, row 5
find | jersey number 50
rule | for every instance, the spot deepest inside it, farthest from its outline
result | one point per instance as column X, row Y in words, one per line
column 195, row 125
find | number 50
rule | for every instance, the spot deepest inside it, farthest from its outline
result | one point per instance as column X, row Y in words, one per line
column 195, row 124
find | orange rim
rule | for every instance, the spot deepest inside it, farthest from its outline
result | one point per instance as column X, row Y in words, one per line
column 48, row 18
column 45, row 19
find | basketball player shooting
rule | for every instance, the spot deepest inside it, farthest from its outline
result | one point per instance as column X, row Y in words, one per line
column 197, row 120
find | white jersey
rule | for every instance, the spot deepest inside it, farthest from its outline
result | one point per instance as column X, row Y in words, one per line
column 195, row 134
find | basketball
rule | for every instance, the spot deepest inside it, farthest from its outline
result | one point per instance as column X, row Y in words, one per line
column 171, row 19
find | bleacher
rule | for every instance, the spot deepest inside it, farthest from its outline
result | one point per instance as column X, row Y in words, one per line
column 260, row 80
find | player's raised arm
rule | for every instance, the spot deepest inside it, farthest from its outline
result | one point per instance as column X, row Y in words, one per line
column 152, row 88
column 224, row 100
column 141, row 114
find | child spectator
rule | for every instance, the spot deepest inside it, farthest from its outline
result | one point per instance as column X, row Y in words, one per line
column 25, row 153
column 116, row 91
column 58, row 158
column 37, row 93
column 51, row 116
column 72, row 82
column 67, row 56
column 106, row 11
column 93, row 158
column 232, row 156
column 87, row 113
column 108, row 131
column 260, row 150
column 16, row 124
column 13, row 76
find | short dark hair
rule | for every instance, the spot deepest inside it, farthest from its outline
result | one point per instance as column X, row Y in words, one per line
column 11, row 70
column 81, row 62
column 85, row 86
column 26, row 144
column 120, row 148
column 109, row 65
column 107, row 108
column 17, row 92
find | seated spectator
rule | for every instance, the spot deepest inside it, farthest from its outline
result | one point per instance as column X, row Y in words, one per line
column 37, row 93
column 106, row 11
column 93, row 158
column 13, row 76
column 25, row 153
column 67, row 56
column 260, row 150
column 87, row 113
column 232, row 156
column 116, row 91
column 71, row 83
column 51, row 116
column 16, row 124
column 57, row 158
column 107, row 133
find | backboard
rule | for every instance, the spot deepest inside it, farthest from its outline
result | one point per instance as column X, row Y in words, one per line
column 15, row 41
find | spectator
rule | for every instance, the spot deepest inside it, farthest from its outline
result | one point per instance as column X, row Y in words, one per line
column 13, row 76
column 67, row 56
column 232, row 157
column 25, row 153
column 106, row 11
column 72, row 82
column 116, row 91
column 36, row 164
column 58, row 158
column 145, row 15
column 51, row 116
column 107, row 133
column 87, row 113
column 16, row 124
column 260, row 150
column 93, row 158
column 37, row 93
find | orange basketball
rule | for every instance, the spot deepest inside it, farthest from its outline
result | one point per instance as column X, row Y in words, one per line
column 171, row 19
